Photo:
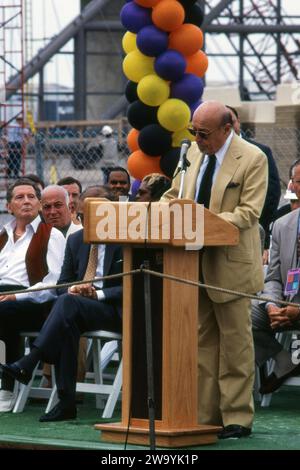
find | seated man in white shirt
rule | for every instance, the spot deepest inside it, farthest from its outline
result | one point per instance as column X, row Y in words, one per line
column 31, row 255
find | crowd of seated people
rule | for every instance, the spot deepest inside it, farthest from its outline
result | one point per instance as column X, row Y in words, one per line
column 48, row 222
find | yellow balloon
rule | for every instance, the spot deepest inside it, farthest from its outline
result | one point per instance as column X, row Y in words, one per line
column 153, row 90
column 129, row 42
column 179, row 136
column 174, row 114
column 136, row 65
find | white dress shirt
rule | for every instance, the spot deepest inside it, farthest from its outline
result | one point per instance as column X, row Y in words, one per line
column 73, row 228
column 220, row 154
column 12, row 261
column 99, row 272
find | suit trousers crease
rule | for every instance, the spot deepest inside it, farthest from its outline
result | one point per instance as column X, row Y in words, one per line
column 59, row 338
column 226, row 362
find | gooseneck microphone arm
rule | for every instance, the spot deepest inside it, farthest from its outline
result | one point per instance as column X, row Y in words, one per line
column 183, row 164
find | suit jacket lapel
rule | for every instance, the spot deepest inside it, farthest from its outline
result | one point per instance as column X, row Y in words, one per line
column 290, row 239
column 228, row 168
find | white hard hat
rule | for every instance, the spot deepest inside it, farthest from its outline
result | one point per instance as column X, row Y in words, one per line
column 106, row 130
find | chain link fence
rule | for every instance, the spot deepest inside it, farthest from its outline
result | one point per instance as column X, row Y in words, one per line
column 79, row 149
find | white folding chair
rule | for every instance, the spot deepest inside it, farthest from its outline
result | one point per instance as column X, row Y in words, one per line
column 100, row 356
column 30, row 390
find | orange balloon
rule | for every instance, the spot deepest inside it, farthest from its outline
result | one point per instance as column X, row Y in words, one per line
column 147, row 3
column 187, row 39
column 139, row 164
column 132, row 140
column 197, row 64
column 168, row 15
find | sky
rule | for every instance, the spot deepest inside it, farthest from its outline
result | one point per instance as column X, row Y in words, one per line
column 50, row 16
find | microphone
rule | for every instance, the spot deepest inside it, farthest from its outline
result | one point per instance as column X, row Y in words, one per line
column 183, row 162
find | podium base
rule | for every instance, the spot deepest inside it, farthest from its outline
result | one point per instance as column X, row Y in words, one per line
column 139, row 434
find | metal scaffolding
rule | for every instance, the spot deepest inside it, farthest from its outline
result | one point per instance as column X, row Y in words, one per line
column 11, row 62
column 252, row 43
column 258, row 39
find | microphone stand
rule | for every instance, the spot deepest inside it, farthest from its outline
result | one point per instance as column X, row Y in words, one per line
column 184, row 165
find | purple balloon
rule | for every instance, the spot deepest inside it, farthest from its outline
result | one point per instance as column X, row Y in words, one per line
column 152, row 41
column 134, row 17
column 188, row 89
column 195, row 105
column 170, row 65
column 135, row 187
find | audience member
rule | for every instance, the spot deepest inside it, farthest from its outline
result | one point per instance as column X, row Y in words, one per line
column 36, row 179
column 74, row 188
column 56, row 212
column 102, row 191
column 229, row 176
column 56, row 209
column 31, row 254
column 118, row 181
column 81, row 308
column 152, row 187
column 270, row 317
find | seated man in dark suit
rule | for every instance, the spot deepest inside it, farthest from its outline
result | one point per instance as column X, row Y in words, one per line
column 81, row 308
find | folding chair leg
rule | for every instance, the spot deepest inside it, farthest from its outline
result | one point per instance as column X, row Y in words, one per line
column 114, row 395
column 53, row 400
column 23, row 394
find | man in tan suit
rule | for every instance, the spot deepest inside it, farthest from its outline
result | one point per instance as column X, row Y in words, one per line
column 239, row 183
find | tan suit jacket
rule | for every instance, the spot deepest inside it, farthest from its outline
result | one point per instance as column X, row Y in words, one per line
column 238, row 196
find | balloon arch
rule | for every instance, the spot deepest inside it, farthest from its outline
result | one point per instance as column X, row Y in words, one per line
column 164, row 65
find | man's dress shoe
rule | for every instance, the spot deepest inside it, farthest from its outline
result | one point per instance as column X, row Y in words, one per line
column 59, row 413
column 234, row 431
column 272, row 382
column 12, row 370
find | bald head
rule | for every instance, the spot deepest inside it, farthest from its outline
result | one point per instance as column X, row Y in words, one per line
column 214, row 122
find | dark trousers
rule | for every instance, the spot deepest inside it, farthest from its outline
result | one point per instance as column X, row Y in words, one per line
column 14, row 159
column 58, row 340
column 18, row 316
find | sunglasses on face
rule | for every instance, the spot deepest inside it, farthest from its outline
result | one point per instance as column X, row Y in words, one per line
column 201, row 134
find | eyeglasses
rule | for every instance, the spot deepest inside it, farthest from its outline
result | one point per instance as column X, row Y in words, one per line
column 202, row 134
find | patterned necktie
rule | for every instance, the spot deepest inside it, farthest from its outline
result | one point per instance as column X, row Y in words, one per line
column 206, row 182
column 92, row 263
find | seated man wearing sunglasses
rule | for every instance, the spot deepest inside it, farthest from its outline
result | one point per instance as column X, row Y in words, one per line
column 229, row 177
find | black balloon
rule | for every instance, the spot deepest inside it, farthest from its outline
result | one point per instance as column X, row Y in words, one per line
column 187, row 3
column 169, row 161
column 194, row 15
column 154, row 140
column 140, row 115
column 130, row 91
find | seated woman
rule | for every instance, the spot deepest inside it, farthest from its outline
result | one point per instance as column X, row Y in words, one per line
column 152, row 187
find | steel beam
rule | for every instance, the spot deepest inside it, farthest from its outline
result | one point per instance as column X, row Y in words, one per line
column 38, row 62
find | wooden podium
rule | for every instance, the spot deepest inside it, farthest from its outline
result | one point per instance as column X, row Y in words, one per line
column 174, row 316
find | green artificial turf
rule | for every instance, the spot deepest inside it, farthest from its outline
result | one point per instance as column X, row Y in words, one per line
column 275, row 428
